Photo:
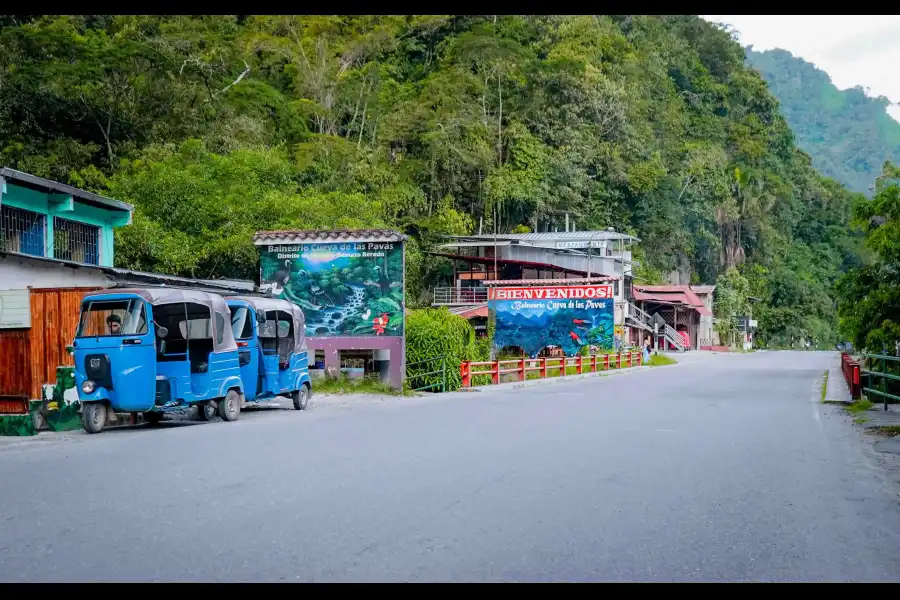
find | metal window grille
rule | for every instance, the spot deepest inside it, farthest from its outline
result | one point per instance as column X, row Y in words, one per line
column 22, row 231
column 75, row 241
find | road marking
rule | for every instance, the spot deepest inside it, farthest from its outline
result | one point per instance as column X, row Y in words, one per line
column 666, row 430
column 815, row 399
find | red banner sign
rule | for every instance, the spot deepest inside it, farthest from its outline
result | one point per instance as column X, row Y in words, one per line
column 551, row 293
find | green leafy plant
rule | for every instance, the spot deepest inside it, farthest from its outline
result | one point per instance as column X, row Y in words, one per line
column 435, row 334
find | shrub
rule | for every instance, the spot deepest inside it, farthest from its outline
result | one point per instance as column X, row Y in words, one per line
column 432, row 333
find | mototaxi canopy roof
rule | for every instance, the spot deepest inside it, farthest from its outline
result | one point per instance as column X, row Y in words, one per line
column 220, row 324
column 274, row 304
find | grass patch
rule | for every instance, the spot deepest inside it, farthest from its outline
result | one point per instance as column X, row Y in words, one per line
column 824, row 385
column 860, row 420
column 343, row 385
column 860, row 406
column 658, row 360
column 884, row 430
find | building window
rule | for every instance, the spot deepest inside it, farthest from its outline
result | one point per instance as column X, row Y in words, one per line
column 75, row 241
column 22, row 231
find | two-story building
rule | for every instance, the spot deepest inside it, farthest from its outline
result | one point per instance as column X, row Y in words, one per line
column 590, row 256
column 529, row 257
column 687, row 312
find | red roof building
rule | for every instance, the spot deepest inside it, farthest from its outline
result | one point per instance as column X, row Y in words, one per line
column 686, row 309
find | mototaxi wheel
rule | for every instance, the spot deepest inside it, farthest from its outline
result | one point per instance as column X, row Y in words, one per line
column 230, row 406
column 153, row 418
column 93, row 416
column 301, row 397
column 207, row 411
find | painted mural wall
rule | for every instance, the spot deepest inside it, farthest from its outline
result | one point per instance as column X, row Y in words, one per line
column 344, row 289
column 569, row 317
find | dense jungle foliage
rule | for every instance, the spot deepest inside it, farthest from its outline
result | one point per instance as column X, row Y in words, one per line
column 217, row 126
column 848, row 134
column 869, row 296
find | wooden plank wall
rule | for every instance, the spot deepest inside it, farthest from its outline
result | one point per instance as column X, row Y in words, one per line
column 54, row 320
column 15, row 365
column 29, row 357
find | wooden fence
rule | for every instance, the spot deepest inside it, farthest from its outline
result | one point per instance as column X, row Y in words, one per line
column 546, row 367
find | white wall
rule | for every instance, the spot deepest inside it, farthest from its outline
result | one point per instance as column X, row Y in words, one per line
column 18, row 273
column 15, row 309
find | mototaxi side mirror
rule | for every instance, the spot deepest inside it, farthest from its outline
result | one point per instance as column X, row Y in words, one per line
column 161, row 332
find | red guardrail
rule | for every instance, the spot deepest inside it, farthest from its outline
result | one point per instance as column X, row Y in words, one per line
column 851, row 370
column 523, row 366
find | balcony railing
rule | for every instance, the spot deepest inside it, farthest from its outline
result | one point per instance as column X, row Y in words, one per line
column 459, row 296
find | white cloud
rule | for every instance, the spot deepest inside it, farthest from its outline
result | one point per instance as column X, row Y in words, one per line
column 853, row 49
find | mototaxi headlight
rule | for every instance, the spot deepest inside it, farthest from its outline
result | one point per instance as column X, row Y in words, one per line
column 88, row 387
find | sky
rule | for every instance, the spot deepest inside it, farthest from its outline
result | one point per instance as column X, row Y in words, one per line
column 853, row 50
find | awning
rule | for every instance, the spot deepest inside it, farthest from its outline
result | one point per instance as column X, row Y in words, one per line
column 471, row 313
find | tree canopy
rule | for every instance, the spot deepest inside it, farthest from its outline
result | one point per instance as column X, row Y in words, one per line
column 215, row 126
column 869, row 295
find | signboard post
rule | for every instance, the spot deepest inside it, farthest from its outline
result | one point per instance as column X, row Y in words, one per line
column 568, row 317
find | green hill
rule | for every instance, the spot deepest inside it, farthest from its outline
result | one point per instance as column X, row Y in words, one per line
column 220, row 125
column 848, row 134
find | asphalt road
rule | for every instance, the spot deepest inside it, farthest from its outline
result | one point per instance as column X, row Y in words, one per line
column 725, row 468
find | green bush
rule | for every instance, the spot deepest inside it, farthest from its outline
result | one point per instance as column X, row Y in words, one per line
column 482, row 349
column 432, row 333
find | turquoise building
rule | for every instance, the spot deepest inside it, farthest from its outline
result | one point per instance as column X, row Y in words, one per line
column 44, row 218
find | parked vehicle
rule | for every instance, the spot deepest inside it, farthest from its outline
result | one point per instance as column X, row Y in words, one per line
column 272, row 350
column 153, row 351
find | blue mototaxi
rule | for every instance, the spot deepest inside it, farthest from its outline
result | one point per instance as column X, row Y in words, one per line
column 272, row 350
column 155, row 350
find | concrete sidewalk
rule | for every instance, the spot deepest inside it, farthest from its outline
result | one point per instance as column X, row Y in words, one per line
column 837, row 390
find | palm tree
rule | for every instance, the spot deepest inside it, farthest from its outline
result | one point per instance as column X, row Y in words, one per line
column 752, row 197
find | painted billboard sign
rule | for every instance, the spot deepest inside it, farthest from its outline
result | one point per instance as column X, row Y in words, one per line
column 344, row 289
column 569, row 317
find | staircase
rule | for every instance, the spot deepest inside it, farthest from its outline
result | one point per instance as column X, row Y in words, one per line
column 640, row 319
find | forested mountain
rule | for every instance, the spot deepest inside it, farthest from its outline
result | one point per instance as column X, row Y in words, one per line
column 848, row 134
column 217, row 126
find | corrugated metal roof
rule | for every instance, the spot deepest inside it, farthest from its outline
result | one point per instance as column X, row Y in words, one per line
column 33, row 181
column 663, row 289
column 551, row 236
column 671, row 294
column 471, row 312
column 481, row 244
column 579, row 281
column 703, row 289
column 503, row 261
column 328, row 235
column 137, row 278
